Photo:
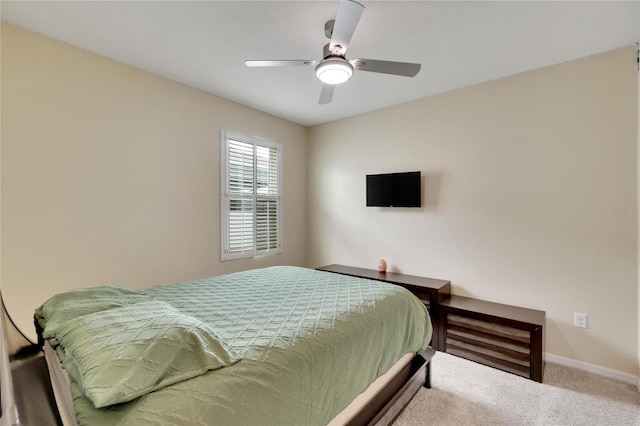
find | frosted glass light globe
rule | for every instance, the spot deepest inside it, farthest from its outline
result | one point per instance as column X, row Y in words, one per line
column 334, row 71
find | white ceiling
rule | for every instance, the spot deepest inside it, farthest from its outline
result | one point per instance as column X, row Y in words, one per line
column 204, row 44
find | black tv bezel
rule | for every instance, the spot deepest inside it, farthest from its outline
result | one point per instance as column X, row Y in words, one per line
column 393, row 203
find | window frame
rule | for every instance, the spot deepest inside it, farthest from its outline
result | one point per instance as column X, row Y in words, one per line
column 225, row 196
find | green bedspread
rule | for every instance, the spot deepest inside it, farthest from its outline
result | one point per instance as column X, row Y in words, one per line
column 308, row 341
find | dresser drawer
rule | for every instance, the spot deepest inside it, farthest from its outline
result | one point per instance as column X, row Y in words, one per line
column 505, row 337
column 499, row 346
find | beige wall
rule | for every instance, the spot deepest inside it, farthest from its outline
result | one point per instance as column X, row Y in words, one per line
column 530, row 193
column 112, row 175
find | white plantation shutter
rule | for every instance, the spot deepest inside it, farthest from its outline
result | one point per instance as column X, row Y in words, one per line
column 250, row 196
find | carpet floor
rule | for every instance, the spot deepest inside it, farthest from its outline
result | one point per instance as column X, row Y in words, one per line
column 467, row 393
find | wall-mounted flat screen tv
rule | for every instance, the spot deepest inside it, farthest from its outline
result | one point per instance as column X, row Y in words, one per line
column 394, row 190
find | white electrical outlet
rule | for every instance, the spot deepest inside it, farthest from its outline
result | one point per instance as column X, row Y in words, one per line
column 580, row 320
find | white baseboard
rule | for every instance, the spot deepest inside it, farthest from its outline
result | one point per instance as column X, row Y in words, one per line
column 595, row 369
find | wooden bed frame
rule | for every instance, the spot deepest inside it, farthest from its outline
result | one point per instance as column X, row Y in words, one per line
column 387, row 405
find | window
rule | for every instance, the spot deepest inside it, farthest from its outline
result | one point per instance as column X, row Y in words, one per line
column 251, row 183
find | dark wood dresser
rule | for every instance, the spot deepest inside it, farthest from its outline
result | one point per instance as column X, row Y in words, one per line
column 502, row 336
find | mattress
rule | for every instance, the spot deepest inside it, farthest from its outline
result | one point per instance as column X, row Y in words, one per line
column 308, row 342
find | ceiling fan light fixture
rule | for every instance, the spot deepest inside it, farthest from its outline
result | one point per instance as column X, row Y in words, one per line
column 334, row 71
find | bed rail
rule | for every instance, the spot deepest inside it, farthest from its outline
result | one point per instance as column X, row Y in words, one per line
column 388, row 404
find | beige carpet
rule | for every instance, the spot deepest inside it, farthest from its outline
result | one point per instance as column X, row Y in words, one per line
column 467, row 393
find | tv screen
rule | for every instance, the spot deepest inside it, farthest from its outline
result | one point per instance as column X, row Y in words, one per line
column 394, row 190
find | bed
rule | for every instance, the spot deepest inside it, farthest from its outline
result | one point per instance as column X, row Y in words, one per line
column 281, row 345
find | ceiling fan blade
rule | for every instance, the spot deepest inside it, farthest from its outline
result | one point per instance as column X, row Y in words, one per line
column 405, row 69
column 326, row 95
column 285, row 63
column 347, row 18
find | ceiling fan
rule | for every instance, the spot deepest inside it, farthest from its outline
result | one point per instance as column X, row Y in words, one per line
column 335, row 68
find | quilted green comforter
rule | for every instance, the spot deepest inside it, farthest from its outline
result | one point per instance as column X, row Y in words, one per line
column 308, row 342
